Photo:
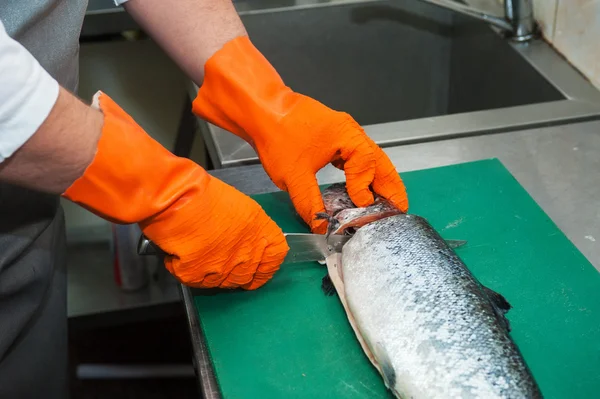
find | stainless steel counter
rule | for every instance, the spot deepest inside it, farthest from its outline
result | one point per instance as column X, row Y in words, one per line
column 559, row 166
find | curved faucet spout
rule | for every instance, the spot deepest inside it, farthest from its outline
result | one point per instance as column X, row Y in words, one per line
column 518, row 17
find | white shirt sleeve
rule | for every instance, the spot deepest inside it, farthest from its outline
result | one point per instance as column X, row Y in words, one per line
column 27, row 94
column 119, row 2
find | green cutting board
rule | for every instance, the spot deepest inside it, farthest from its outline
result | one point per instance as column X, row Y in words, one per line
column 288, row 340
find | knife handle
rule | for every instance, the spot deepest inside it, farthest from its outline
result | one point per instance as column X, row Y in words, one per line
column 147, row 247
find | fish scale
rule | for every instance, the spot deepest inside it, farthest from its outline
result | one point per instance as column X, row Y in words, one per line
column 426, row 323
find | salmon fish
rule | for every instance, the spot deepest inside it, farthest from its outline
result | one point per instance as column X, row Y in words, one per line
column 423, row 320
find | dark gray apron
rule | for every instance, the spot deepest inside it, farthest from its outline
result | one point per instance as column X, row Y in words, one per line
column 33, row 317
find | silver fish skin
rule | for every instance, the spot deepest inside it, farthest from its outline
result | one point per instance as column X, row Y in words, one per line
column 432, row 329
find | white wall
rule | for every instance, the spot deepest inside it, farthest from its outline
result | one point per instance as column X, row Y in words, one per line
column 573, row 28
column 576, row 33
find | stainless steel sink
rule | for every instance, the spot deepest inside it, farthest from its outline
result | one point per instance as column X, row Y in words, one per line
column 408, row 71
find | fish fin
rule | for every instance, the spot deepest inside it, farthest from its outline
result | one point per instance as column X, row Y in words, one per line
column 385, row 364
column 332, row 222
column 456, row 243
column 500, row 304
column 327, row 286
column 499, row 301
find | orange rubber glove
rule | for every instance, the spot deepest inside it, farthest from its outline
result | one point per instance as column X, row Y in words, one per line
column 217, row 236
column 294, row 135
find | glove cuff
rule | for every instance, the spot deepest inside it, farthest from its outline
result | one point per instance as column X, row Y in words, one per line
column 242, row 92
column 133, row 178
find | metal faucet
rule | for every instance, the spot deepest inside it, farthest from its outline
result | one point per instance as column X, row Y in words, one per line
column 517, row 21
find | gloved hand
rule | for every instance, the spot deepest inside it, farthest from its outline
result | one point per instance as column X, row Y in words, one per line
column 217, row 236
column 294, row 135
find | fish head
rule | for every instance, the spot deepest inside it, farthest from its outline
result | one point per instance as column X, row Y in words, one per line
column 344, row 217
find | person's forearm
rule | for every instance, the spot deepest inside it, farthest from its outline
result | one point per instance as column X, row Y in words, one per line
column 190, row 31
column 60, row 150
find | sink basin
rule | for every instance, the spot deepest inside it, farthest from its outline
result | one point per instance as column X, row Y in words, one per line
column 392, row 61
column 408, row 71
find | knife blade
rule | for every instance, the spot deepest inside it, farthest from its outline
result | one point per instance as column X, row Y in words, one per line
column 304, row 247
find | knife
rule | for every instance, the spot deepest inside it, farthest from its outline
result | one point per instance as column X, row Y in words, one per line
column 304, row 247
